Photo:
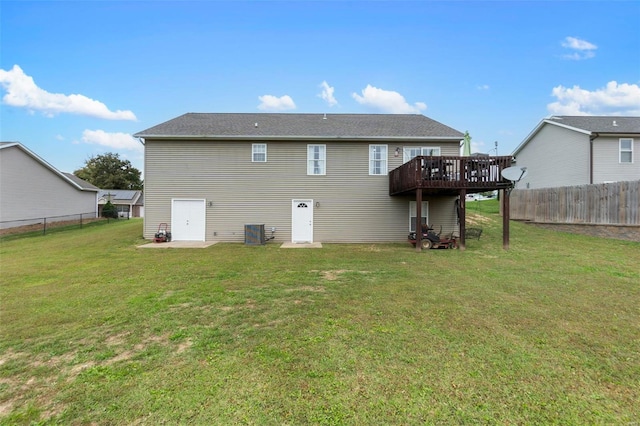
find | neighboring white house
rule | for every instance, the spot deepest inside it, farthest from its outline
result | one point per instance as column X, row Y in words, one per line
column 309, row 177
column 579, row 150
column 32, row 189
column 130, row 203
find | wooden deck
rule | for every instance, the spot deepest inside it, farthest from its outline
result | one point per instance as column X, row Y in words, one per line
column 448, row 175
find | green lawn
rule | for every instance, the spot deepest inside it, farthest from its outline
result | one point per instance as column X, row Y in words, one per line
column 96, row 331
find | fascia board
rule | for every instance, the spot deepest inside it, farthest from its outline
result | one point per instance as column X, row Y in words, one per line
column 8, row 145
column 302, row 138
column 575, row 129
column 136, row 197
column 618, row 135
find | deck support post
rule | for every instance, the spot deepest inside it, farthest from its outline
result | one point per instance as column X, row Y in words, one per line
column 419, row 219
column 462, row 218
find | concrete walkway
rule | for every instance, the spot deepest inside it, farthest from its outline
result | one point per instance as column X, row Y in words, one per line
column 179, row 244
column 205, row 244
column 301, row 245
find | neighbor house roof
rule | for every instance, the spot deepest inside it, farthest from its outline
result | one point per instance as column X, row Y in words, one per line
column 301, row 126
column 120, row 196
column 588, row 124
column 600, row 124
column 68, row 177
column 80, row 182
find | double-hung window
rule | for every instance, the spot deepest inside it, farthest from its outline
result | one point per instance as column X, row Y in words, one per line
column 626, row 150
column 377, row 159
column 316, row 160
column 413, row 213
column 259, row 153
column 410, row 152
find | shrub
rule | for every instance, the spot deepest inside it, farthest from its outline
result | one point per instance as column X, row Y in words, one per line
column 109, row 210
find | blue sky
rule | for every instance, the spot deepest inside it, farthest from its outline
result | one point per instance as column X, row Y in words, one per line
column 77, row 79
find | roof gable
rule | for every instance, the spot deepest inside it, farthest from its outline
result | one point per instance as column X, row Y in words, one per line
column 589, row 125
column 71, row 179
column 301, row 126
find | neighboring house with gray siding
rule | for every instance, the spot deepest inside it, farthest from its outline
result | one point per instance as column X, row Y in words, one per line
column 579, row 150
column 32, row 189
column 311, row 177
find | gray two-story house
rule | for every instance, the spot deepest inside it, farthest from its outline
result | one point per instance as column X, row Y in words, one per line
column 580, row 150
column 305, row 177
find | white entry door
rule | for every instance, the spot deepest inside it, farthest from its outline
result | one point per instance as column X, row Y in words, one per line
column 302, row 221
column 188, row 220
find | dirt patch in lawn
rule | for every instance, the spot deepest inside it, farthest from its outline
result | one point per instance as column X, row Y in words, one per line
column 38, row 376
column 476, row 219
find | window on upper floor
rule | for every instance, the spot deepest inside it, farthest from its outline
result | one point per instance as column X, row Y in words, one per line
column 410, row 152
column 259, row 153
column 377, row 159
column 316, row 159
column 626, row 150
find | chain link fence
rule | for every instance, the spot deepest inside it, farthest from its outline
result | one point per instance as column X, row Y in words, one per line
column 46, row 224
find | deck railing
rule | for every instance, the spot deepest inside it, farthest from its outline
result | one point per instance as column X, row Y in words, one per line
column 474, row 173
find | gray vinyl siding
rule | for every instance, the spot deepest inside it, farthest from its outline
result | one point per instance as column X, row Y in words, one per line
column 349, row 204
column 29, row 190
column 606, row 159
column 555, row 156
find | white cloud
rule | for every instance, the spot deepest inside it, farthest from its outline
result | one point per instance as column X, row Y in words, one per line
column 613, row 99
column 582, row 49
column 387, row 101
column 483, row 87
column 327, row 94
column 22, row 92
column 576, row 43
column 112, row 140
column 273, row 103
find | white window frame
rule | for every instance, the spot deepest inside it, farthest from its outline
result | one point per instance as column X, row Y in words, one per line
column 412, row 214
column 410, row 152
column 378, row 155
column 256, row 150
column 316, row 160
column 626, row 150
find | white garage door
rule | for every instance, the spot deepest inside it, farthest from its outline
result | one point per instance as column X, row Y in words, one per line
column 187, row 220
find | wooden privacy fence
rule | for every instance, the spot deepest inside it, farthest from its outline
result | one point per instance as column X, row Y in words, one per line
column 616, row 203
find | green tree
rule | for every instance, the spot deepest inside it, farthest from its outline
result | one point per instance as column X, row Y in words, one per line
column 109, row 171
column 109, row 210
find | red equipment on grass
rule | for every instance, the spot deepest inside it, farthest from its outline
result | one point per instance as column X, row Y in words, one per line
column 163, row 235
column 431, row 240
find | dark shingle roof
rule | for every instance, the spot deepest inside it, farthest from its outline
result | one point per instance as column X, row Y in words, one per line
column 272, row 125
column 600, row 124
column 80, row 182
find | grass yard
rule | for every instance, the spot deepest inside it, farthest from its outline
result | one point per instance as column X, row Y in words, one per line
column 96, row 331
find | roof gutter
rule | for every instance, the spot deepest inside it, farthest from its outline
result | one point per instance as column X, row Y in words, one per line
column 300, row 138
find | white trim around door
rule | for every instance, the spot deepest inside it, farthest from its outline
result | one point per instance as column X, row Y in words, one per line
column 188, row 219
column 302, row 221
